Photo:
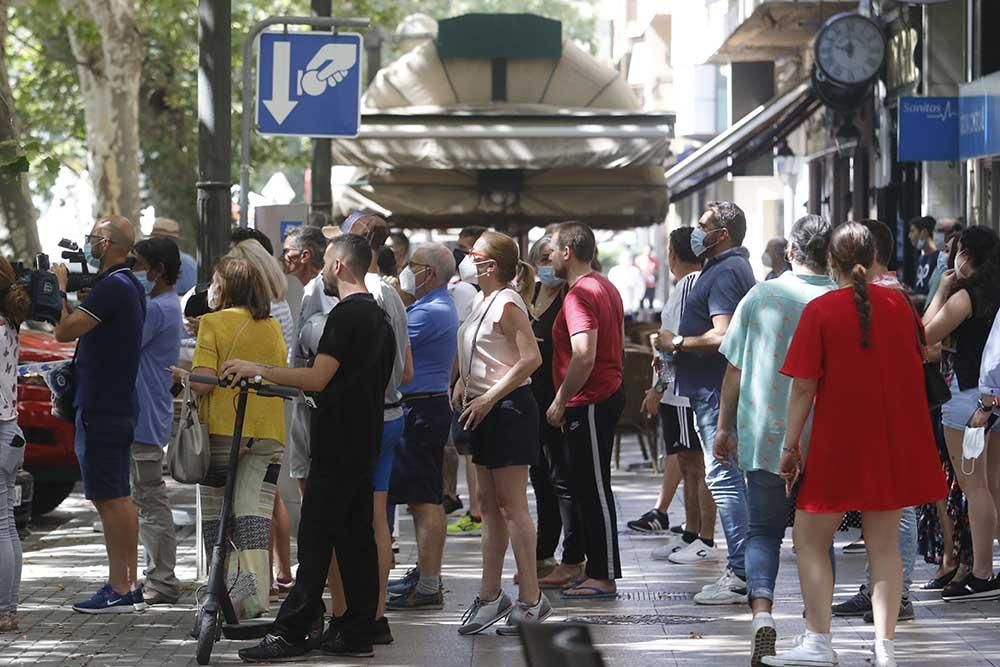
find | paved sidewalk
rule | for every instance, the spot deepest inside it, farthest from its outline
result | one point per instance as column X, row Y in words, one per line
column 654, row 621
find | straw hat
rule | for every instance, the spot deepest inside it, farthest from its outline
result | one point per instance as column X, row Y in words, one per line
column 167, row 228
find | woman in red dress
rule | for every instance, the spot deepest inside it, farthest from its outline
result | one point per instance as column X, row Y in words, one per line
column 857, row 353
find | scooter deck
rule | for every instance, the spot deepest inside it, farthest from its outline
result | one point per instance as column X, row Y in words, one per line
column 248, row 630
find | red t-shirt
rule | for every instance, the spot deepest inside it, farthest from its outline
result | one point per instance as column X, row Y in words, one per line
column 593, row 303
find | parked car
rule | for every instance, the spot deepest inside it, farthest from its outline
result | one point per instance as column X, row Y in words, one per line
column 49, row 455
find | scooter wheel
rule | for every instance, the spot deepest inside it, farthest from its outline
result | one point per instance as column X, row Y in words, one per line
column 208, row 632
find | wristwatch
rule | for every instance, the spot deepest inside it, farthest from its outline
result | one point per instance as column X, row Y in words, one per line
column 677, row 342
column 660, row 387
column 983, row 407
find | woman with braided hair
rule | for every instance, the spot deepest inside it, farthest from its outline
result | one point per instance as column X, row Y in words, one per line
column 856, row 361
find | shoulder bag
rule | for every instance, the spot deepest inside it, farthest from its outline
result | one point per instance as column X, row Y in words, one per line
column 938, row 392
column 189, row 454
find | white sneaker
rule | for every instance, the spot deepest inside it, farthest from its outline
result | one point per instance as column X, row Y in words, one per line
column 884, row 653
column 524, row 613
column 696, row 552
column 765, row 636
column 728, row 589
column 812, row 649
column 482, row 614
column 673, row 544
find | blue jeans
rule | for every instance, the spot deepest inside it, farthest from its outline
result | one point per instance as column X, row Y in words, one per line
column 907, row 550
column 726, row 483
column 768, row 507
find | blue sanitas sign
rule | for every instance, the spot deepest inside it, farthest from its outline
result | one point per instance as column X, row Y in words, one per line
column 979, row 133
column 309, row 84
column 928, row 129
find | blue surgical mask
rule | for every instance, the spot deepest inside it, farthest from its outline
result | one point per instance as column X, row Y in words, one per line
column 88, row 252
column 698, row 236
column 942, row 263
column 921, row 244
column 547, row 276
column 143, row 278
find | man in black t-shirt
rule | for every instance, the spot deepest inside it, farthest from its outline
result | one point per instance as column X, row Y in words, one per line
column 921, row 237
column 348, row 381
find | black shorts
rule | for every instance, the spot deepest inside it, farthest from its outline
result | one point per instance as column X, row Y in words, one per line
column 461, row 439
column 104, row 449
column 679, row 434
column 417, row 469
column 509, row 434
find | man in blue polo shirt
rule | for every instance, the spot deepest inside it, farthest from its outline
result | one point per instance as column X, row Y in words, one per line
column 725, row 279
column 417, row 469
column 108, row 325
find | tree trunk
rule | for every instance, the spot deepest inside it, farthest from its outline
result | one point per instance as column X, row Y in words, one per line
column 17, row 213
column 106, row 41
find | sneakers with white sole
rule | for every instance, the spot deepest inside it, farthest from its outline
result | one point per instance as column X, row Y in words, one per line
column 524, row 613
column 728, row 589
column 883, row 653
column 673, row 544
column 812, row 649
column 696, row 552
column 483, row 614
column 765, row 636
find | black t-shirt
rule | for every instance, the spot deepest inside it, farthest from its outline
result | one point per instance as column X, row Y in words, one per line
column 970, row 336
column 347, row 424
column 542, row 383
column 926, row 263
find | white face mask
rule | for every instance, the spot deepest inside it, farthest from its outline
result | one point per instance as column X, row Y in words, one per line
column 213, row 297
column 408, row 281
column 973, row 444
column 468, row 271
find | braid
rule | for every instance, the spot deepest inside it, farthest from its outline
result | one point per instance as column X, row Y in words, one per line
column 863, row 305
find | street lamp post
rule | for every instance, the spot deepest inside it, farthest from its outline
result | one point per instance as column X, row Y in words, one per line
column 786, row 164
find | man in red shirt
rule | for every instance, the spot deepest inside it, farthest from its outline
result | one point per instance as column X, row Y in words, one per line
column 588, row 343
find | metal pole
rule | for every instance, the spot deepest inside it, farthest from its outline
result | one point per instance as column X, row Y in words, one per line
column 322, row 193
column 214, row 131
column 248, row 107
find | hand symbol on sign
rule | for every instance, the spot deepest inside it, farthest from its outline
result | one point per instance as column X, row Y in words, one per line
column 328, row 67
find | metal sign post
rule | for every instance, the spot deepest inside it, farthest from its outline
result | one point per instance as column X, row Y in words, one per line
column 309, row 81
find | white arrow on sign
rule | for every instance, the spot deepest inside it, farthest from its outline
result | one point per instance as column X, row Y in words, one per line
column 280, row 105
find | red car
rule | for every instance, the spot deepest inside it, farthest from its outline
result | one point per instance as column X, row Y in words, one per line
column 49, row 455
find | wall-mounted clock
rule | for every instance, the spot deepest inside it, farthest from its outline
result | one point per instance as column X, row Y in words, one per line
column 850, row 49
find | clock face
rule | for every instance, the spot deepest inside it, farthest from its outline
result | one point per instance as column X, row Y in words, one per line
column 850, row 49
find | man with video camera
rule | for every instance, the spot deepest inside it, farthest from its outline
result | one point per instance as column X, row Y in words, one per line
column 108, row 324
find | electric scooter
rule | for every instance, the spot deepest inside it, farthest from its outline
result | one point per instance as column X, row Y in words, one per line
column 207, row 627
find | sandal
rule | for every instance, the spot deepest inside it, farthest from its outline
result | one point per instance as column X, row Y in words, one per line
column 550, row 582
column 939, row 583
column 589, row 593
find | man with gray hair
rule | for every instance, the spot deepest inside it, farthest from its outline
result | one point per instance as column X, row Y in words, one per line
column 302, row 257
column 417, row 470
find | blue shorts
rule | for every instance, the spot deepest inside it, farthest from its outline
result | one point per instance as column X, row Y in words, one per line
column 417, row 471
column 955, row 413
column 392, row 432
column 103, row 447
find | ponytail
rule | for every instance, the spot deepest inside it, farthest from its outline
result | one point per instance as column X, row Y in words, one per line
column 862, row 304
column 16, row 302
column 525, row 280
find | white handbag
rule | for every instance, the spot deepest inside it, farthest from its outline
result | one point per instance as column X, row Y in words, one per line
column 189, row 454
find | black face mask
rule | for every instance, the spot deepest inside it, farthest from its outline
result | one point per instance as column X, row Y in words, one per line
column 459, row 255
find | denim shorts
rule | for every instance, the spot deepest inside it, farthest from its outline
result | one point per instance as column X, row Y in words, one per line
column 955, row 413
column 392, row 431
column 104, row 449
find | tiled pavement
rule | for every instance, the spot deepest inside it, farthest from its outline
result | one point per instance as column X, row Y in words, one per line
column 653, row 623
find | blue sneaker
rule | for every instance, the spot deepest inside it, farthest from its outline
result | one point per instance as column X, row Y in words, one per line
column 139, row 599
column 407, row 584
column 106, row 601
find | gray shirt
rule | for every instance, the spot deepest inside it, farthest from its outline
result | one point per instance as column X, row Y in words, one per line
column 388, row 299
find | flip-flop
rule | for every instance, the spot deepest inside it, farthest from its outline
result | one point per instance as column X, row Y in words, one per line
column 574, row 582
column 593, row 593
column 562, row 582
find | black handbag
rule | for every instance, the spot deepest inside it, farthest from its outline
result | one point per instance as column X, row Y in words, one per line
column 938, row 391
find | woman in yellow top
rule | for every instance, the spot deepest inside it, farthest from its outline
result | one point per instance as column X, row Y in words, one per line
column 241, row 328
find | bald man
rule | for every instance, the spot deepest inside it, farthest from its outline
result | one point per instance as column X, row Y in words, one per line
column 108, row 325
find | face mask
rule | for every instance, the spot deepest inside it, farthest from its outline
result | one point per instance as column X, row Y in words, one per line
column 921, row 244
column 94, row 261
column 942, row 262
column 459, row 256
column 765, row 259
column 143, row 278
column 408, row 281
column 973, row 443
column 547, row 276
column 960, row 268
column 468, row 271
column 939, row 239
column 698, row 237
column 214, row 298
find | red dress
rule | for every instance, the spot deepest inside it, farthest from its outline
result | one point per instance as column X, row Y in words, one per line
column 872, row 447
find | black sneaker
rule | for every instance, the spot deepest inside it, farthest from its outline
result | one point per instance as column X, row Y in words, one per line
column 653, row 521
column 272, row 649
column 451, row 504
column 858, row 605
column 905, row 613
column 381, row 634
column 339, row 643
column 972, row 588
column 855, row 548
column 416, row 600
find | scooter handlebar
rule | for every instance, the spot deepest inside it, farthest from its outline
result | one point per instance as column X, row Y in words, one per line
column 266, row 390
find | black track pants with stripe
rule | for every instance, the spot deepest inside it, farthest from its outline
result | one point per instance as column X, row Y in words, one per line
column 590, row 439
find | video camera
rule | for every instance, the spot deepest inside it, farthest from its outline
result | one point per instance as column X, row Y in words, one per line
column 73, row 254
column 43, row 288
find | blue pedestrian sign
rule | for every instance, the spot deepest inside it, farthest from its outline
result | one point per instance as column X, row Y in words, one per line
column 309, row 84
